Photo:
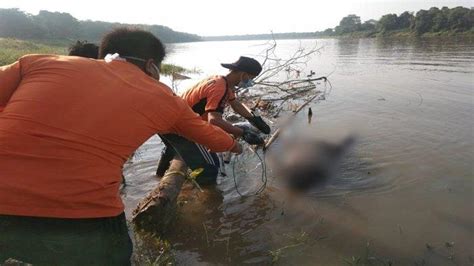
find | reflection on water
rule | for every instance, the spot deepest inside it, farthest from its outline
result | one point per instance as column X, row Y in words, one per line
column 406, row 185
column 220, row 230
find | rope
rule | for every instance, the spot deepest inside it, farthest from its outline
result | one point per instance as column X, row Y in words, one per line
column 263, row 175
column 168, row 173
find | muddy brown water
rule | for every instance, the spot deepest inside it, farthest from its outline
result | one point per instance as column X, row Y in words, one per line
column 403, row 194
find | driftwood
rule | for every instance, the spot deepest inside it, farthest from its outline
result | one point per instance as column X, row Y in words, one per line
column 277, row 132
column 158, row 208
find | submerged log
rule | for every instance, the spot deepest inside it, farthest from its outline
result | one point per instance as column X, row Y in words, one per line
column 158, row 208
column 277, row 132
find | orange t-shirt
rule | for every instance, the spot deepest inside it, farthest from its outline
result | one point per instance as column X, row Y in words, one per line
column 69, row 123
column 209, row 95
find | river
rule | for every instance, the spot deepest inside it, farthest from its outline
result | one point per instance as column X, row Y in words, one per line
column 403, row 194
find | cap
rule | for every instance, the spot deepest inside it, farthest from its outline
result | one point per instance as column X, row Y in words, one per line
column 245, row 64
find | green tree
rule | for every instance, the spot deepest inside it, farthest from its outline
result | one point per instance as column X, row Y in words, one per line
column 423, row 22
column 58, row 25
column 436, row 18
column 460, row 19
column 328, row 31
column 350, row 23
column 55, row 25
column 369, row 25
column 388, row 22
column 15, row 23
column 440, row 20
column 405, row 20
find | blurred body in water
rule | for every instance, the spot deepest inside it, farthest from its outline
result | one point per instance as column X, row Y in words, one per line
column 303, row 163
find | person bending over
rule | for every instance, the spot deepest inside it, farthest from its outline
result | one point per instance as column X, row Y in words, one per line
column 208, row 98
column 67, row 126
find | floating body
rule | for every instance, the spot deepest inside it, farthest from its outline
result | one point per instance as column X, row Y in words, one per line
column 303, row 163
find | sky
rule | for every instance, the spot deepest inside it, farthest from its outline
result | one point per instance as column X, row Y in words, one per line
column 236, row 17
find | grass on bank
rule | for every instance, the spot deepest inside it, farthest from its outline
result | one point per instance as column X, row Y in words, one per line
column 12, row 49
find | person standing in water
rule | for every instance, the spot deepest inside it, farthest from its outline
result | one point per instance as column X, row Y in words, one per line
column 208, row 98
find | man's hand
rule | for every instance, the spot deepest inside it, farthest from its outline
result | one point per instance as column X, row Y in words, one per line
column 250, row 136
column 215, row 118
column 258, row 122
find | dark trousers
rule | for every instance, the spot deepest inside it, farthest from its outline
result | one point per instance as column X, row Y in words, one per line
column 194, row 155
column 56, row 241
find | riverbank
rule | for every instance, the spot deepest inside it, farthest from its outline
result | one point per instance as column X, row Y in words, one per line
column 403, row 34
column 351, row 35
column 12, row 49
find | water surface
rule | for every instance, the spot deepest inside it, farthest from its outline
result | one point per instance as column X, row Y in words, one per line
column 407, row 183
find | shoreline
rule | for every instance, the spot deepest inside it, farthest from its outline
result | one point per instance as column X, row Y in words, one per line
column 355, row 35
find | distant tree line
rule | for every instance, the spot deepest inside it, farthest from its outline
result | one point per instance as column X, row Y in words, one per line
column 15, row 23
column 291, row 35
column 56, row 25
column 434, row 20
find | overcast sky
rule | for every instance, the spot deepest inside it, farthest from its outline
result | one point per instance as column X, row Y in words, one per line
column 213, row 17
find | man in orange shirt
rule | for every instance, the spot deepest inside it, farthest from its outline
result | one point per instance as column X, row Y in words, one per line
column 67, row 126
column 209, row 98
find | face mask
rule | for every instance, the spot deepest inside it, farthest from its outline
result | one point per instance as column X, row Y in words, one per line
column 155, row 75
column 245, row 83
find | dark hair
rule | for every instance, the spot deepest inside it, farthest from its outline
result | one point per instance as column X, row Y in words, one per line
column 84, row 49
column 132, row 42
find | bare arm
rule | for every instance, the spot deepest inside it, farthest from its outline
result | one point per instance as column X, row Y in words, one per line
column 241, row 109
column 192, row 127
column 215, row 118
column 256, row 121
